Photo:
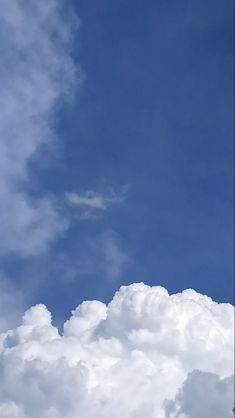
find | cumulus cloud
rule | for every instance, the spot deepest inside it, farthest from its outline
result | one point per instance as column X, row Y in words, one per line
column 203, row 395
column 36, row 72
column 90, row 203
column 145, row 354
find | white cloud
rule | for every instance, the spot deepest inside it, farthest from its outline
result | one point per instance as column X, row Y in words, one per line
column 130, row 359
column 36, row 71
column 91, row 199
column 203, row 395
column 91, row 202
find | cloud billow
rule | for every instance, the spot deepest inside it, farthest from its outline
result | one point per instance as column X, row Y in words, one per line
column 144, row 354
column 36, row 72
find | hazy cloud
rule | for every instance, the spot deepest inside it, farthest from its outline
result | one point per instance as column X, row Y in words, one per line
column 11, row 304
column 99, row 257
column 36, row 72
column 91, row 203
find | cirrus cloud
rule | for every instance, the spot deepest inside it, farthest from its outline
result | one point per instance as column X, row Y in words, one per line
column 91, row 203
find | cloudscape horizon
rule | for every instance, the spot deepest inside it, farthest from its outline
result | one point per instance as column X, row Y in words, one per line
column 116, row 201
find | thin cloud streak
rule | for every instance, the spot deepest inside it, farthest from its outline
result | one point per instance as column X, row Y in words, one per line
column 92, row 203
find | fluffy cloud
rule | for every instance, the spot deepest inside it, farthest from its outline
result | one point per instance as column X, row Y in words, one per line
column 203, row 395
column 145, row 354
column 36, row 71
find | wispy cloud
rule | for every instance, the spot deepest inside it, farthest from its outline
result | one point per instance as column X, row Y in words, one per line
column 93, row 200
column 90, row 202
column 12, row 304
column 36, row 72
column 114, row 257
column 101, row 257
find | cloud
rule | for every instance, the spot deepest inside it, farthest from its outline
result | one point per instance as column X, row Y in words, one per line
column 128, row 359
column 91, row 202
column 36, row 72
column 99, row 257
column 114, row 258
column 9, row 297
column 192, row 402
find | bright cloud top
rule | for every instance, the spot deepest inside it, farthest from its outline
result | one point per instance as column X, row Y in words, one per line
column 145, row 354
column 36, row 71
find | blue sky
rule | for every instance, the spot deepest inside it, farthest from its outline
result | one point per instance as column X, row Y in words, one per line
column 150, row 127
column 116, row 168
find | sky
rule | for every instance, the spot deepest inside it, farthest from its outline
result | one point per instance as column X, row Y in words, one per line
column 155, row 112
column 149, row 122
column 116, row 169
